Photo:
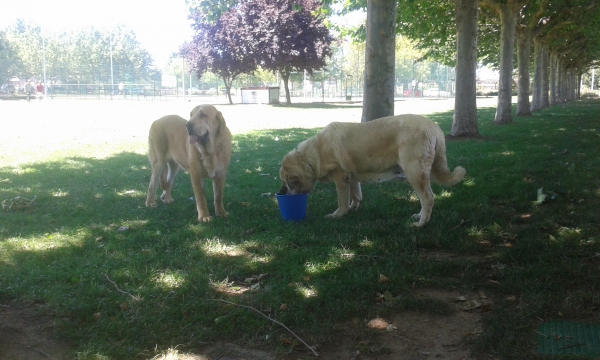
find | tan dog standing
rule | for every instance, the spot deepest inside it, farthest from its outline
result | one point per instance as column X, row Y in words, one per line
column 379, row 150
column 202, row 146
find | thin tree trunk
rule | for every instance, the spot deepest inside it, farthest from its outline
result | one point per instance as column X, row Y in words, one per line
column 524, row 38
column 508, row 18
column 286, row 78
column 228, row 89
column 464, row 122
column 380, row 51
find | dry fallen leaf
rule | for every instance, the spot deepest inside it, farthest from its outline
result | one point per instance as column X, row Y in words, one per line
column 511, row 298
column 97, row 315
column 378, row 324
column 383, row 278
column 470, row 305
column 391, row 327
column 124, row 306
column 285, row 341
column 283, row 307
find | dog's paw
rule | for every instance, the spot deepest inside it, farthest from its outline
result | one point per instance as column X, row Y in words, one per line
column 151, row 204
column 419, row 222
column 223, row 214
column 204, row 219
column 166, row 199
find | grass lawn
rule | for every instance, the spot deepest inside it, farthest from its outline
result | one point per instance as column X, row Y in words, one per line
column 124, row 281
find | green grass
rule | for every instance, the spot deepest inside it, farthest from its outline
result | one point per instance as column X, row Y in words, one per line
column 138, row 292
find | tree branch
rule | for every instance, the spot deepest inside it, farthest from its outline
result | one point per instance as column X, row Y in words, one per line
column 273, row 320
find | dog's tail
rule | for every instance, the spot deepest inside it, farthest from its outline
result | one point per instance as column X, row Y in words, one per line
column 439, row 170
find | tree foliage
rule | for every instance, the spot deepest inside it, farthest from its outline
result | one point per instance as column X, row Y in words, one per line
column 9, row 62
column 81, row 56
column 288, row 35
column 221, row 47
column 282, row 36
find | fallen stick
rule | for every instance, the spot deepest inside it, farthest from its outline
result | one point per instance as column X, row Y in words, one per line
column 273, row 320
column 121, row 291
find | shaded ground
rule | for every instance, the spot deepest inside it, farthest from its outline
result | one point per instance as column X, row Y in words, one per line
column 25, row 335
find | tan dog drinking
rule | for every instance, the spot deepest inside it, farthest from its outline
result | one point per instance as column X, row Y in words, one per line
column 379, row 150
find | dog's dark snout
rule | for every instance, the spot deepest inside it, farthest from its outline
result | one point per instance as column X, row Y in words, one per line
column 189, row 127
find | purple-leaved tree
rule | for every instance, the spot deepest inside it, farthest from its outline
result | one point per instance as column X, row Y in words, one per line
column 287, row 35
column 220, row 47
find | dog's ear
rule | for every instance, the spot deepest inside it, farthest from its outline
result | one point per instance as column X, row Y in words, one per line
column 220, row 120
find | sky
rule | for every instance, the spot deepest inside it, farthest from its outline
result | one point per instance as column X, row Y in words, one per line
column 161, row 26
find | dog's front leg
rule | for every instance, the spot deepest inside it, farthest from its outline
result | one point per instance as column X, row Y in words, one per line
column 218, row 189
column 198, row 186
column 355, row 194
column 342, row 187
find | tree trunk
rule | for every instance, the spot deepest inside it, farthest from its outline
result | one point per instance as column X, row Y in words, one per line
column 560, row 81
column 508, row 18
column 286, row 80
column 536, row 99
column 228, row 89
column 378, row 99
column 573, row 84
column 464, row 122
column 545, row 76
column 524, row 38
column 553, row 78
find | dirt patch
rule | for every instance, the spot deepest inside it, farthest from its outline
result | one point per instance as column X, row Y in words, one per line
column 414, row 335
column 24, row 334
column 27, row 335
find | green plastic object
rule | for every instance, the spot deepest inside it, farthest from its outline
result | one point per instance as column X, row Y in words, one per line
column 568, row 338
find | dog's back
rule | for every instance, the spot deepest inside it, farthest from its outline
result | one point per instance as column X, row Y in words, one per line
column 167, row 140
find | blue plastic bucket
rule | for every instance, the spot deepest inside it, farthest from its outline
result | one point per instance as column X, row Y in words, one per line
column 292, row 206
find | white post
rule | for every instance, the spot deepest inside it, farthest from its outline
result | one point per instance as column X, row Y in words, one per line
column 304, row 85
column 112, row 79
column 44, row 61
column 183, row 77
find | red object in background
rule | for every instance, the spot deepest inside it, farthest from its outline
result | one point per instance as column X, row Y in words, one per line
column 409, row 92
